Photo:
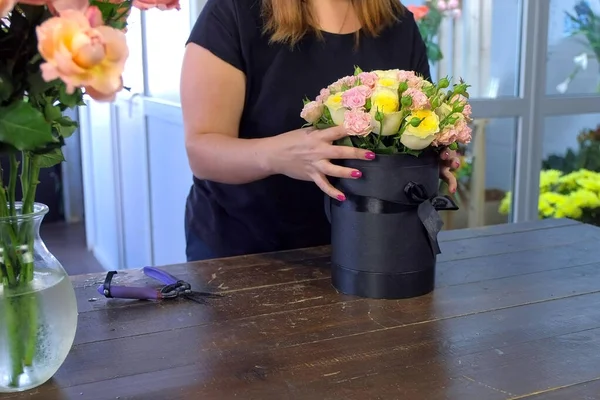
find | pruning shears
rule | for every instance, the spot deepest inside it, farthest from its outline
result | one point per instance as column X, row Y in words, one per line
column 174, row 288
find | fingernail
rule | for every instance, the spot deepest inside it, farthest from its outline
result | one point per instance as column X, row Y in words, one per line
column 369, row 155
column 356, row 174
column 445, row 155
column 341, row 197
column 452, row 190
column 455, row 165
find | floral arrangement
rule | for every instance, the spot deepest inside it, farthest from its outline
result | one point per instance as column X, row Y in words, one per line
column 575, row 195
column 52, row 52
column 393, row 111
column 429, row 17
column 584, row 22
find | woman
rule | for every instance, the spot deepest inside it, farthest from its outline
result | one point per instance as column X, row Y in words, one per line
column 258, row 178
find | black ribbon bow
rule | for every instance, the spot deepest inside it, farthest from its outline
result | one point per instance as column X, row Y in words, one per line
column 427, row 208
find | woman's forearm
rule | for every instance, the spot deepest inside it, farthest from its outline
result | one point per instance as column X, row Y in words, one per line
column 227, row 159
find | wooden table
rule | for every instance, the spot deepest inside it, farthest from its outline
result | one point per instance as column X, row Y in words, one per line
column 516, row 315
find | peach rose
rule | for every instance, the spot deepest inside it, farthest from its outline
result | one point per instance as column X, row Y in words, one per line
column 82, row 56
column 160, row 4
column 6, row 6
column 93, row 13
column 418, row 11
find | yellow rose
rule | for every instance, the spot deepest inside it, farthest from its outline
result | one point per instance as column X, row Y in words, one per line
column 335, row 107
column 390, row 124
column 421, row 136
column 390, row 73
column 443, row 110
column 388, row 83
column 385, row 100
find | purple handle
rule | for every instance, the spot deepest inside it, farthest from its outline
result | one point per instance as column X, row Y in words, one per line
column 160, row 275
column 130, row 292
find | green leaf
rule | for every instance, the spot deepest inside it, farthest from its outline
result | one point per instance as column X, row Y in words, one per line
column 412, row 152
column 65, row 126
column 70, row 100
column 52, row 113
column 37, row 85
column 345, row 141
column 51, row 158
column 24, row 127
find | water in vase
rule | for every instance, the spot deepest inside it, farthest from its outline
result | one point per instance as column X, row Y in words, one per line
column 53, row 306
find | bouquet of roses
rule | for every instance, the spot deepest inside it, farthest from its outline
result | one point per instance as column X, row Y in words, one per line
column 393, row 111
column 407, row 120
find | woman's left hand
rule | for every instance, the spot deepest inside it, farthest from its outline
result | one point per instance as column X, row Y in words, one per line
column 449, row 162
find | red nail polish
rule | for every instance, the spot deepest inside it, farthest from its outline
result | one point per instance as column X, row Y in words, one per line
column 356, row 174
column 369, row 155
column 455, row 165
column 341, row 197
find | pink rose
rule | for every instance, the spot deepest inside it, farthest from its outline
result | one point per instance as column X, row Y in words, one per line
column 467, row 111
column 463, row 101
column 312, row 112
column 419, row 99
column 464, row 132
column 323, row 95
column 160, row 4
column 368, row 79
column 358, row 122
column 411, row 79
column 355, row 97
column 441, row 5
column 446, row 137
column 337, row 86
column 365, row 90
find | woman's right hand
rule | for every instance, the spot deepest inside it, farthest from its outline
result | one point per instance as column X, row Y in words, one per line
column 305, row 154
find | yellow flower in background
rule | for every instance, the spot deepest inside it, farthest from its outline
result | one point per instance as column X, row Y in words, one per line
column 590, row 184
column 573, row 195
column 548, row 178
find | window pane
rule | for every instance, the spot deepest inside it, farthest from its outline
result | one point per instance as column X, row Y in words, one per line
column 570, row 180
column 133, row 76
column 480, row 196
column 166, row 33
column 573, row 47
column 479, row 41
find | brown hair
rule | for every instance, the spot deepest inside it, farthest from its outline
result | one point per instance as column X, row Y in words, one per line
column 288, row 21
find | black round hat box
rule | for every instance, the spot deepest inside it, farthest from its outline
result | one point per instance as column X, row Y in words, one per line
column 380, row 245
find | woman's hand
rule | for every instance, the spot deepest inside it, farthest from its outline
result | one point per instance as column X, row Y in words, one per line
column 449, row 162
column 305, row 154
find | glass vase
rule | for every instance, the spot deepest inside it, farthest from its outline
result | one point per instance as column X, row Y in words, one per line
column 38, row 308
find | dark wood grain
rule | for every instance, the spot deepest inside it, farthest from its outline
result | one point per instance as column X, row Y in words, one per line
column 515, row 315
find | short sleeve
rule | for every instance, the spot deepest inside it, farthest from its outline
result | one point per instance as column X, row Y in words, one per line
column 419, row 59
column 217, row 30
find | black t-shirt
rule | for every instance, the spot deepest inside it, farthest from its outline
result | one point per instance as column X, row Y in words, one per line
column 279, row 213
